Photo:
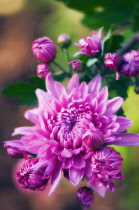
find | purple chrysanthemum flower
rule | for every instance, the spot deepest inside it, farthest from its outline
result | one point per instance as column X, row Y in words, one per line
column 85, row 196
column 106, row 166
column 69, row 125
column 90, row 46
column 30, row 178
column 130, row 64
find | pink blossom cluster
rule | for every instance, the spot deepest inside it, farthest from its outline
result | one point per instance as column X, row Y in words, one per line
column 74, row 127
column 72, row 131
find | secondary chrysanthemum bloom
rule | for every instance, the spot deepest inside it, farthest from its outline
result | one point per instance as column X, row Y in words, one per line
column 69, row 125
column 30, row 178
column 106, row 166
column 85, row 196
column 90, row 46
column 44, row 49
column 130, row 64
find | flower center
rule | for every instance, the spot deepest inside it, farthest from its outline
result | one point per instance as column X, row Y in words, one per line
column 68, row 118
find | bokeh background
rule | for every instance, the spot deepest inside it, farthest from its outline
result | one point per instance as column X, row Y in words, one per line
column 22, row 21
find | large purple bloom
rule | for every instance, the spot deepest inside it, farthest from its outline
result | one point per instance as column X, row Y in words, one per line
column 69, row 127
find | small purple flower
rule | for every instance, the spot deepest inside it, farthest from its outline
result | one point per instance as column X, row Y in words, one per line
column 30, row 178
column 44, row 49
column 77, row 65
column 85, row 196
column 42, row 70
column 112, row 61
column 64, row 40
column 69, row 125
column 106, row 166
column 130, row 64
column 90, row 46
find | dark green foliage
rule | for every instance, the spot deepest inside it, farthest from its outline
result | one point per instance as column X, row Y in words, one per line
column 25, row 91
column 113, row 43
column 118, row 87
column 60, row 76
column 104, row 13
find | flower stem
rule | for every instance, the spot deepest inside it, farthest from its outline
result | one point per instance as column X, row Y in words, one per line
column 68, row 59
column 61, row 68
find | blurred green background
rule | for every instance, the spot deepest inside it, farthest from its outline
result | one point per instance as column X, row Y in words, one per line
column 22, row 21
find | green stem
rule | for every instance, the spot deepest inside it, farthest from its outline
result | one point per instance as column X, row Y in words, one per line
column 68, row 59
column 61, row 68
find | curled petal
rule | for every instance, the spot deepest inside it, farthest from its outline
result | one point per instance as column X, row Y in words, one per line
column 125, row 139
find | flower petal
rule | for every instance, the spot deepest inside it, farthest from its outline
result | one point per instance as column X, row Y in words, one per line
column 23, row 131
column 114, row 105
column 54, row 87
column 56, row 175
column 124, row 122
column 125, row 139
column 94, row 85
column 73, row 83
column 103, row 94
column 75, row 175
column 99, row 188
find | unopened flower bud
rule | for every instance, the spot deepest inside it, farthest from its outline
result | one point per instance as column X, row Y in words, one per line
column 13, row 152
column 85, row 196
column 112, row 61
column 90, row 46
column 30, row 178
column 42, row 70
column 130, row 63
column 64, row 40
column 77, row 65
column 93, row 139
column 44, row 49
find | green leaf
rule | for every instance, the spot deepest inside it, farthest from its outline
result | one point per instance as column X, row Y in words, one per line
column 103, row 13
column 118, row 87
column 135, row 19
column 91, row 62
column 59, row 76
column 107, row 40
column 113, row 44
column 25, row 91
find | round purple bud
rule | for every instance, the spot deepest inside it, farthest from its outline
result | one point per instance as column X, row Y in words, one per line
column 130, row 63
column 44, row 49
column 77, row 65
column 85, row 196
column 30, row 178
column 112, row 61
column 42, row 70
column 64, row 40
column 93, row 139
